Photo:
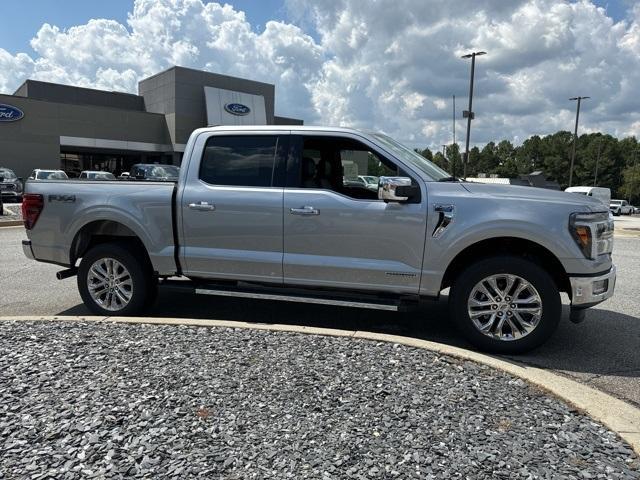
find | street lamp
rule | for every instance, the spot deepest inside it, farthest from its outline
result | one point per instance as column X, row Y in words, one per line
column 575, row 137
column 468, row 114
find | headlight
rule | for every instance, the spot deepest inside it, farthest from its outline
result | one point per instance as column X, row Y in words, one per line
column 593, row 232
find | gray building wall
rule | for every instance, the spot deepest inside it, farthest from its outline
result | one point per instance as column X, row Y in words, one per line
column 54, row 92
column 178, row 93
column 170, row 106
column 277, row 120
column 34, row 141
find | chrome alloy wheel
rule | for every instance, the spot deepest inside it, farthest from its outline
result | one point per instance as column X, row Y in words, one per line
column 505, row 307
column 110, row 284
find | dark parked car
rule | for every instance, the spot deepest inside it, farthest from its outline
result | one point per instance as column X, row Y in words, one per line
column 154, row 172
column 10, row 185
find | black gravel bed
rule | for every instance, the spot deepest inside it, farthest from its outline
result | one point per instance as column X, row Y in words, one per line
column 102, row 400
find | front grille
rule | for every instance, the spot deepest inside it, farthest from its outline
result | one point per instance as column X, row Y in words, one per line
column 7, row 187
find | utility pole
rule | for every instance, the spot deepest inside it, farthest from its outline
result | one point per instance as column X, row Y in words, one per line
column 575, row 137
column 595, row 179
column 468, row 114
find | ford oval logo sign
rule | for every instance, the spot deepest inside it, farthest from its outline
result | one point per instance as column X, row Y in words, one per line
column 9, row 113
column 237, row 109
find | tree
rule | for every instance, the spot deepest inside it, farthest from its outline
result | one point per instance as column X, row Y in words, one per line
column 440, row 161
column 631, row 183
column 454, row 160
column 552, row 155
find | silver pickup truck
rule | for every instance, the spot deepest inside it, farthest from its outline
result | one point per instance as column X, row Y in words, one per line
column 278, row 213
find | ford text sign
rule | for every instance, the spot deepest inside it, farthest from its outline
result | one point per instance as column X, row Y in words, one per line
column 9, row 113
column 237, row 109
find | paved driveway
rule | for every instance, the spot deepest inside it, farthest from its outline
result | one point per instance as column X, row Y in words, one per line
column 602, row 351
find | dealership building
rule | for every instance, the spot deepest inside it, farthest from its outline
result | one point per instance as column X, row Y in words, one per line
column 52, row 126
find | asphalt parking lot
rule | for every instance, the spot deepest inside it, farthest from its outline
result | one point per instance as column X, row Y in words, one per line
column 601, row 352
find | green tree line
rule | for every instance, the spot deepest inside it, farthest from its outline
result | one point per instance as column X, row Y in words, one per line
column 618, row 162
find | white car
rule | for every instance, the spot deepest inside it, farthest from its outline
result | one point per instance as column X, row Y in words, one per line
column 96, row 175
column 599, row 193
column 39, row 174
column 620, row 207
column 370, row 181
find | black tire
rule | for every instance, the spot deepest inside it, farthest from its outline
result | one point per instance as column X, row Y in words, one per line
column 127, row 255
column 464, row 284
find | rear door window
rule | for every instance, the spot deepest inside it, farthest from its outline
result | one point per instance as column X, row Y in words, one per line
column 240, row 160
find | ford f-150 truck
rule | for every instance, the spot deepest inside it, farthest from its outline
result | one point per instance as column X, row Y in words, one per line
column 277, row 213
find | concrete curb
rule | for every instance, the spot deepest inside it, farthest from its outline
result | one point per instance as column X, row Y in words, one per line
column 11, row 223
column 620, row 417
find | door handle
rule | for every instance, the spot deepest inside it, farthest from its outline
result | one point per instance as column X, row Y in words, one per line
column 306, row 210
column 202, row 206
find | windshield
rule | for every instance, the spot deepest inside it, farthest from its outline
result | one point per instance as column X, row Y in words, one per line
column 51, row 175
column 406, row 154
column 7, row 174
column 616, row 202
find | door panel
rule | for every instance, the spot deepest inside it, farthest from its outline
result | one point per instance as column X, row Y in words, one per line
column 234, row 231
column 350, row 243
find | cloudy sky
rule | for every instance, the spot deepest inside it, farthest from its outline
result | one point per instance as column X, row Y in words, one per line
column 390, row 65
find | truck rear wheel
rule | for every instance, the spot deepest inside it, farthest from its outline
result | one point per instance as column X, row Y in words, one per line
column 112, row 280
column 505, row 304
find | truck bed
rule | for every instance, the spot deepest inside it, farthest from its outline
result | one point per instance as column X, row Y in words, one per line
column 70, row 205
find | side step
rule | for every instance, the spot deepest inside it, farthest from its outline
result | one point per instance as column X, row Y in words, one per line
column 303, row 299
column 372, row 301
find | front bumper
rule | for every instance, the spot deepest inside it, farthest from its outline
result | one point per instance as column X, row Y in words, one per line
column 26, row 248
column 582, row 288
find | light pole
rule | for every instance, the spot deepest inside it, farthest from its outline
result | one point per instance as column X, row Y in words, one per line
column 468, row 114
column 575, row 137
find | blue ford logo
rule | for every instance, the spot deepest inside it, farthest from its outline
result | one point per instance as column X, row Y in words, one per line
column 237, row 109
column 9, row 113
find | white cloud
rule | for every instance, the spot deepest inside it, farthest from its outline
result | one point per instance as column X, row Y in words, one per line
column 390, row 64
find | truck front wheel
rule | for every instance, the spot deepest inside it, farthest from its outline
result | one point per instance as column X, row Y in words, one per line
column 113, row 281
column 505, row 304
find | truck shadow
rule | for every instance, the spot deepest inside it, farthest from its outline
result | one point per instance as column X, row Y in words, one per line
column 606, row 343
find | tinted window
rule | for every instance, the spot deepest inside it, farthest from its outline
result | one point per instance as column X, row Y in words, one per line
column 243, row 160
column 343, row 165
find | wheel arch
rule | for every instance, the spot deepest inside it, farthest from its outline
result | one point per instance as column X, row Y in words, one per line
column 516, row 246
column 103, row 231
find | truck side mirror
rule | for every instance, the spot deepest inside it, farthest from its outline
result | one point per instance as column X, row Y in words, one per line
column 396, row 189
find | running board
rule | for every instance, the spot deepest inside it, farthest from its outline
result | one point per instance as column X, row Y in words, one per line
column 301, row 298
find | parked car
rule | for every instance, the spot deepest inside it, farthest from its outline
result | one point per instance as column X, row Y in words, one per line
column 40, row 174
column 636, row 210
column 620, row 207
column 599, row 193
column 243, row 222
column 370, row 181
column 154, row 172
column 10, row 185
column 96, row 175
column 124, row 176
